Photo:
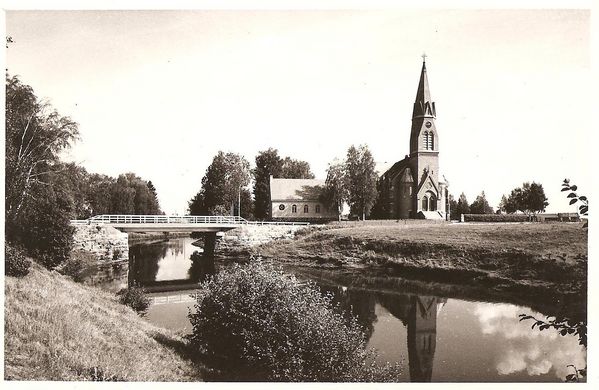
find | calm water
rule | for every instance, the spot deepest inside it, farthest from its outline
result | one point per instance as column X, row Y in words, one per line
column 436, row 338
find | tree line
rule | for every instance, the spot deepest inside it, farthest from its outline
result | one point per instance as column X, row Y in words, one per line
column 43, row 193
column 528, row 199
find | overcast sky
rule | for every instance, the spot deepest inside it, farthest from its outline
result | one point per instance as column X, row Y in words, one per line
column 159, row 93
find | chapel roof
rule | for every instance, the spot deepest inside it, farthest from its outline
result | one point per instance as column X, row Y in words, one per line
column 296, row 189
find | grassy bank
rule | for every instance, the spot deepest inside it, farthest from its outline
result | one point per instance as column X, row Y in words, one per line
column 56, row 329
column 525, row 257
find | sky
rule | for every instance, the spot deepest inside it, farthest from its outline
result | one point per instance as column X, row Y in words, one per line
column 159, row 93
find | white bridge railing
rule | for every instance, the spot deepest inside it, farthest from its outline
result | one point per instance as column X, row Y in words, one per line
column 178, row 219
column 211, row 219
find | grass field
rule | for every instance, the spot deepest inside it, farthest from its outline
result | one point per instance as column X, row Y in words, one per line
column 56, row 329
column 550, row 256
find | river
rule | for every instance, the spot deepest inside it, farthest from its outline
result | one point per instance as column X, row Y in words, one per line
column 436, row 338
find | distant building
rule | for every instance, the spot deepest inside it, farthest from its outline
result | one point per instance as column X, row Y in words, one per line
column 412, row 188
column 299, row 200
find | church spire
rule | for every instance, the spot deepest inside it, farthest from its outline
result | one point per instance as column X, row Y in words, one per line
column 423, row 106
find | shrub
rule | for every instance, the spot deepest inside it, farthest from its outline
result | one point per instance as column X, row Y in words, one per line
column 135, row 297
column 496, row 218
column 78, row 266
column 15, row 262
column 262, row 324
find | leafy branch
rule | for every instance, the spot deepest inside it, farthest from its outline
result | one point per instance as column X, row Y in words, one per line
column 583, row 207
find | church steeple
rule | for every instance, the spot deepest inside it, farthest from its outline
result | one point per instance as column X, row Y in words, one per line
column 423, row 106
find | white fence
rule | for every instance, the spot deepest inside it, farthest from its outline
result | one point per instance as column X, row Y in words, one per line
column 177, row 219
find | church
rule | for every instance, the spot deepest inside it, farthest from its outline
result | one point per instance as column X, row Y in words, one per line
column 411, row 188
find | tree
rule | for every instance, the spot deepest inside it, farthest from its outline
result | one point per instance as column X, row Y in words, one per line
column 336, row 192
column 295, row 169
column 361, row 180
column 463, row 206
column 530, row 199
column 453, row 208
column 480, row 205
column 268, row 163
column 221, row 185
column 35, row 135
column 37, row 210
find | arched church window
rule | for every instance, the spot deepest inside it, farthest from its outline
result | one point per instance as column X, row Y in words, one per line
column 431, row 140
column 294, row 209
column 425, row 140
column 305, row 208
column 317, row 209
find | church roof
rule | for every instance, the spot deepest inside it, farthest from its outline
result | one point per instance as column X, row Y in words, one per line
column 296, row 189
column 423, row 94
column 423, row 104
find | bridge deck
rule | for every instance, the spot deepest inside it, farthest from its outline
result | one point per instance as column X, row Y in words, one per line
column 175, row 223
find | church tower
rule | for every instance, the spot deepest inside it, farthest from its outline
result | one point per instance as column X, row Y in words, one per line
column 429, row 194
column 411, row 187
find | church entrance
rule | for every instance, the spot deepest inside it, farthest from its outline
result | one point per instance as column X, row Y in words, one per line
column 429, row 202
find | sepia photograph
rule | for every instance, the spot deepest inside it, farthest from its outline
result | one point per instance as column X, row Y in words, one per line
column 291, row 194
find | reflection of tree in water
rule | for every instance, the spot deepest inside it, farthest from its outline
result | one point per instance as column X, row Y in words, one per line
column 143, row 261
column 358, row 303
column 202, row 266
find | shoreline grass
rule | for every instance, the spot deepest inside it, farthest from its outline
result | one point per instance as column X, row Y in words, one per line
column 529, row 256
column 56, row 329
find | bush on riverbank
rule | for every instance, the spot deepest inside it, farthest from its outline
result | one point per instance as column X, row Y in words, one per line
column 78, row 266
column 262, row 324
column 15, row 262
column 135, row 298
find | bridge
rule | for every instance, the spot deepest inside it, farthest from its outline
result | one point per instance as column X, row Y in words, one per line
column 175, row 223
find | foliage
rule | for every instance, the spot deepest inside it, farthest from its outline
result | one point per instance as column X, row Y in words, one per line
column 15, row 262
column 78, row 266
column 44, row 228
column 35, row 135
column 530, row 199
column 269, row 163
column 221, row 185
column 295, row 169
column 463, row 207
column 564, row 326
column 495, row 218
column 361, row 180
column 336, row 192
column 583, row 207
column 262, row 324
column 36, row 207
column 578, row 375
column 453, row 209
column 134, row 297
column 481, row 205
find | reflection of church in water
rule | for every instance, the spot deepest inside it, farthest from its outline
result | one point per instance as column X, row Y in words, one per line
column 417, row 313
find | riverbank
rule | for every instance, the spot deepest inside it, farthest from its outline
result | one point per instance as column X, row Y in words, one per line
column 136, row 237
column 530, row 258
column 56, row 329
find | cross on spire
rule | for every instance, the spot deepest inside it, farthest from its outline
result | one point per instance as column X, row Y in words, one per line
column 424, row 57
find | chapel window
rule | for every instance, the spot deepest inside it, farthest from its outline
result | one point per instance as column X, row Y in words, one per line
column 317, row 209
column 431, row 141
column 294, row 209
column 305, row 208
